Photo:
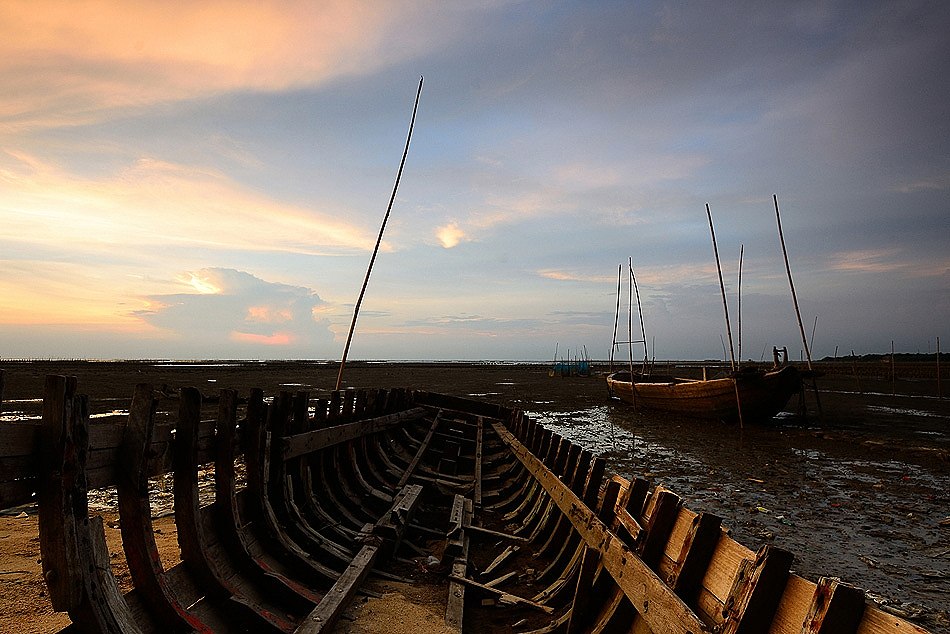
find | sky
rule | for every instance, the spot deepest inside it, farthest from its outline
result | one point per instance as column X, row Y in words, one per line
column 206, row 180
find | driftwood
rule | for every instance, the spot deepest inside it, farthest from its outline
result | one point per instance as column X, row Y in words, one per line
column 339, row 487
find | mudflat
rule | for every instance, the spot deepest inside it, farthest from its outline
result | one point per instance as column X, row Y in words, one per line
column 861, row 492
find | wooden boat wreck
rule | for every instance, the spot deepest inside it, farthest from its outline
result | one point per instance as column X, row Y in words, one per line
column 532, row 532
column 762, row 394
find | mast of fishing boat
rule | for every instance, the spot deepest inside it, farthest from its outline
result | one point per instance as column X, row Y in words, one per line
column 613, row 344
column 798, row 313
column 725, row 307
column 791, row 285
column 643, row 332
column 379, row 239
column 739, row 308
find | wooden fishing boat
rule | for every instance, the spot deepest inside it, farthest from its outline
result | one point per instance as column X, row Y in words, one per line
column 762, row 394
column 531, row 532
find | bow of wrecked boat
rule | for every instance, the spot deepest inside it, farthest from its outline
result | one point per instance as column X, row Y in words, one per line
column 514, row 527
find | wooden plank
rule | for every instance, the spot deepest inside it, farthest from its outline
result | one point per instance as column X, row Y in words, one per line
column 325, row 615
column 757, row 591
column 837, row 608
column 62, row 461
column 308, row 442
column 455, row 602
column 696, row 553
column 580, row 607
column 138, row 538
column 420, row 452
column 477, row 497
column 658, row 529
column 663, row 611
column 503, row 597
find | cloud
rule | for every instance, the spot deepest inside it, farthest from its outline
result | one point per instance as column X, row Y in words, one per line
column 67, row 63
column 449, row 235
column 235, row 307
column 153, row 203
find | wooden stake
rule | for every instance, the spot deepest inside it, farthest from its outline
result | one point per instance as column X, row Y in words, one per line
column 379, row 239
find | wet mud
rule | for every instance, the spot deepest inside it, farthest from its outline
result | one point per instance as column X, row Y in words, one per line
column 861, row 493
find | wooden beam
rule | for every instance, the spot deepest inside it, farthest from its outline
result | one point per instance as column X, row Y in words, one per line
column 690, row 565
column 307, row 442
column 757, row 591
column 478, row 462
column 661, row 609
column 837, row 608
column 420, row 452
column 502, row 596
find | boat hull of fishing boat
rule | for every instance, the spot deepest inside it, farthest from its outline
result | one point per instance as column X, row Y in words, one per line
column 761, row 394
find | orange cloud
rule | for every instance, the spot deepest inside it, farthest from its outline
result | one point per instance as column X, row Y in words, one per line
column 276, row 339
column 63, row 63
column 156, row 203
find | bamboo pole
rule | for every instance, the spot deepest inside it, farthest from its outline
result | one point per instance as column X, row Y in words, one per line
column 791, row 284
column 379, row 239
column 630, row 319
column 739, row 308
column 725, row 307
column 643, row 332
column 798, row 314
column 613, row 344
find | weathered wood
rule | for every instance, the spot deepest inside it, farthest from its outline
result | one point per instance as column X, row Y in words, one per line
column 212, row 571
column 837, row 608
column 420, row 452
column 61, row 493
column 477, row 496
column 661, row 523
column 138, row 538
column 327, row 612
column 757, row 591
column 689, row 567
column 455, row 602
column 503, row 597
column 308, row 442
column 663, row 611
column 580, row 607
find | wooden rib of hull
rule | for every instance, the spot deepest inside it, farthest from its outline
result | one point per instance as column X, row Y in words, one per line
column 762, row 394
column 534, row 533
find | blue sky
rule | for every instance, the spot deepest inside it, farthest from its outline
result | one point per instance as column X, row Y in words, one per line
column 206, row 180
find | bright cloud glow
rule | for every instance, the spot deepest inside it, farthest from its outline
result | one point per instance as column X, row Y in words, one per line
column 449, row 235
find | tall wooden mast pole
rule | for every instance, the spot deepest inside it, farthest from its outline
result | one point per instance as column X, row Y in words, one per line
column 791, row 285
column 725, row 307
column 379, row 239
column 613, row 344
column 798, row 313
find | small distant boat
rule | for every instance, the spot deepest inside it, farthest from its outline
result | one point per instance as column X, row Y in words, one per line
column 762, row 394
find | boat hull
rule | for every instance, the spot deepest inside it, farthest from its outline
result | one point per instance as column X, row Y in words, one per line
column 761, row 394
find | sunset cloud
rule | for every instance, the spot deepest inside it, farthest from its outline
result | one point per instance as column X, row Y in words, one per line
column 66, row 63
column 161, row 204
column 244, row 309
column 450, row 235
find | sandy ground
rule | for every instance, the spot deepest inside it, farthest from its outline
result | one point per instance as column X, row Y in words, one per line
column 863, row 493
